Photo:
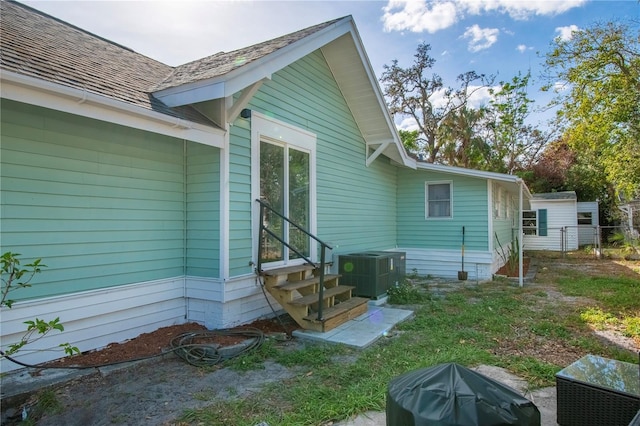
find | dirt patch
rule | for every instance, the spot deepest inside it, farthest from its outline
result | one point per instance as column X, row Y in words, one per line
column 154, row 391
column 552, row 351
column 159, row 341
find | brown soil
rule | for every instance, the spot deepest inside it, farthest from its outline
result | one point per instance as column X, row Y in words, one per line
column 515, row 271
column 159, row 342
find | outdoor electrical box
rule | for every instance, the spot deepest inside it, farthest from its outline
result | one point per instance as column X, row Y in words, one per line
column 372, row 273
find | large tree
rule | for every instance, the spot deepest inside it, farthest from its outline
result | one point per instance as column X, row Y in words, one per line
column 514, row 144
column 418, row 93
column 460, row 134
column 598, row 69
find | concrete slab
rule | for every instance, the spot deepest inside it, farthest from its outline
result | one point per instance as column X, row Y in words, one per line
column 363, row 330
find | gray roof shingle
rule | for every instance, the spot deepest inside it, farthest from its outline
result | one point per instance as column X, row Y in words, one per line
column 224, row 62
column 35, row 44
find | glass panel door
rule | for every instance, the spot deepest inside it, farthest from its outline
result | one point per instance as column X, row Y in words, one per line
column 272, row 186
column 284, row 185
column 298, row 201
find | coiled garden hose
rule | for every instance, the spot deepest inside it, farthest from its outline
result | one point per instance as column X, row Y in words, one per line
column 190, row 346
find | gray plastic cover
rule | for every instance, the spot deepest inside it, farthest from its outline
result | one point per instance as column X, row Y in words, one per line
column 450, row 394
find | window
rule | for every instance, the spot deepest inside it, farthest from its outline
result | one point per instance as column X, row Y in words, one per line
column 585, row 218
column 530, row 222
column 438, row 199
column 284, row 185
column 534, row 222
column 284, row 177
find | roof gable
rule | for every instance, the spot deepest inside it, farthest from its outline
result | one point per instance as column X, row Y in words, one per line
column 38, row 47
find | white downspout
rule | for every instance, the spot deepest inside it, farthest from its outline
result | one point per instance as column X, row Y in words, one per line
column 520, row 235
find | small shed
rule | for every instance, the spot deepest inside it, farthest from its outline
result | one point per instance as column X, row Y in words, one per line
column 552, row 222
column 588, row 222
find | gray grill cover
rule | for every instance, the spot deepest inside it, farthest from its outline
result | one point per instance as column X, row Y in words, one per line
column 450, row 394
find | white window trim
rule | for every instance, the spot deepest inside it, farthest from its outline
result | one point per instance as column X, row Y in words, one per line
column 426, row 199
column 273, row 130
column 529, row 228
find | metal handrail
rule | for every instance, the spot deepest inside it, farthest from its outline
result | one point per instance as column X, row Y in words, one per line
column 323, row 246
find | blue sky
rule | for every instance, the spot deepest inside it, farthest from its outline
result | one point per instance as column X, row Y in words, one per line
column 501, row 37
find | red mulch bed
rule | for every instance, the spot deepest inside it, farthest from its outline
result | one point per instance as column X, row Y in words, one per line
column 159, row 341
column 516, row 272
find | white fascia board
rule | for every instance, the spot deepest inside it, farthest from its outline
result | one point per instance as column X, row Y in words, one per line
column 373, row 80
column 54, row 96
column 266, row 66
column 201, row 91
column 461, row 171
column 244, row 76
column 469, row 172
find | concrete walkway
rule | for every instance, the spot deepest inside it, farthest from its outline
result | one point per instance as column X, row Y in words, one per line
column 363, row 330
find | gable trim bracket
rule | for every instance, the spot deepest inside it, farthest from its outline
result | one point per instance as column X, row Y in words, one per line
column 379, row 150
column 234, row 110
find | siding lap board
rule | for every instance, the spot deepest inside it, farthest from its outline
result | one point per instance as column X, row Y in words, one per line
column 469, row 209
column 355, row 203
column 102, row 205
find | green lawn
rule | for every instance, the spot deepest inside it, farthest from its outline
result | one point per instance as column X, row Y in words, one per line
column 532, row 331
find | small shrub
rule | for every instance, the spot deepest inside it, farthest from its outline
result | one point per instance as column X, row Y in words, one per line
column 406, row 293
column 413, row 275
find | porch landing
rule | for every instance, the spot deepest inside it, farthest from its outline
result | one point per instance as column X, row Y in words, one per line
column 363, row 330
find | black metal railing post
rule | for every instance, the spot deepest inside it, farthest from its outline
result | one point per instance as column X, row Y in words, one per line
column 321, row 284
column 323, row 246
column 259, row 260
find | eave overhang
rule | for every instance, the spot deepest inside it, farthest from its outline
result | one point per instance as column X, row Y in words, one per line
column 343, row 50
column 59, row 97
column 512, row 183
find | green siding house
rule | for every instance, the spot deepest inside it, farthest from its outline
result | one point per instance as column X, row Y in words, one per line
column 136, row 182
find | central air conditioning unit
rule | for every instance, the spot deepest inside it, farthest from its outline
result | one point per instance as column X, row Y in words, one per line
column 372, row 273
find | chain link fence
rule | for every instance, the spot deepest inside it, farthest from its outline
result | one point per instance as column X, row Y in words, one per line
column 601, row 240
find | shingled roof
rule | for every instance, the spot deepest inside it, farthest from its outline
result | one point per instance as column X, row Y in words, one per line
column 44, row 54
column 37, row 45
column 224, row 62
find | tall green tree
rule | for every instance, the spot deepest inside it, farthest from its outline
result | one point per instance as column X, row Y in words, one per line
column 461, row 137
column 409, row 139
column 599, row 70
column 514, row 144
column 418, row 93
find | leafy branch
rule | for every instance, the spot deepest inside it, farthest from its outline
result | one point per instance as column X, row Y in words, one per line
column 14, row 277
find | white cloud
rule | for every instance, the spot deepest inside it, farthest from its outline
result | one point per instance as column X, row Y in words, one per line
column 432, row 16
column 560, row 86
column 480, row 38
column 566, row 33
column 521, row 48
column 408, row 124
column 478, row 96
column 418, row 16
column 520, row 9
